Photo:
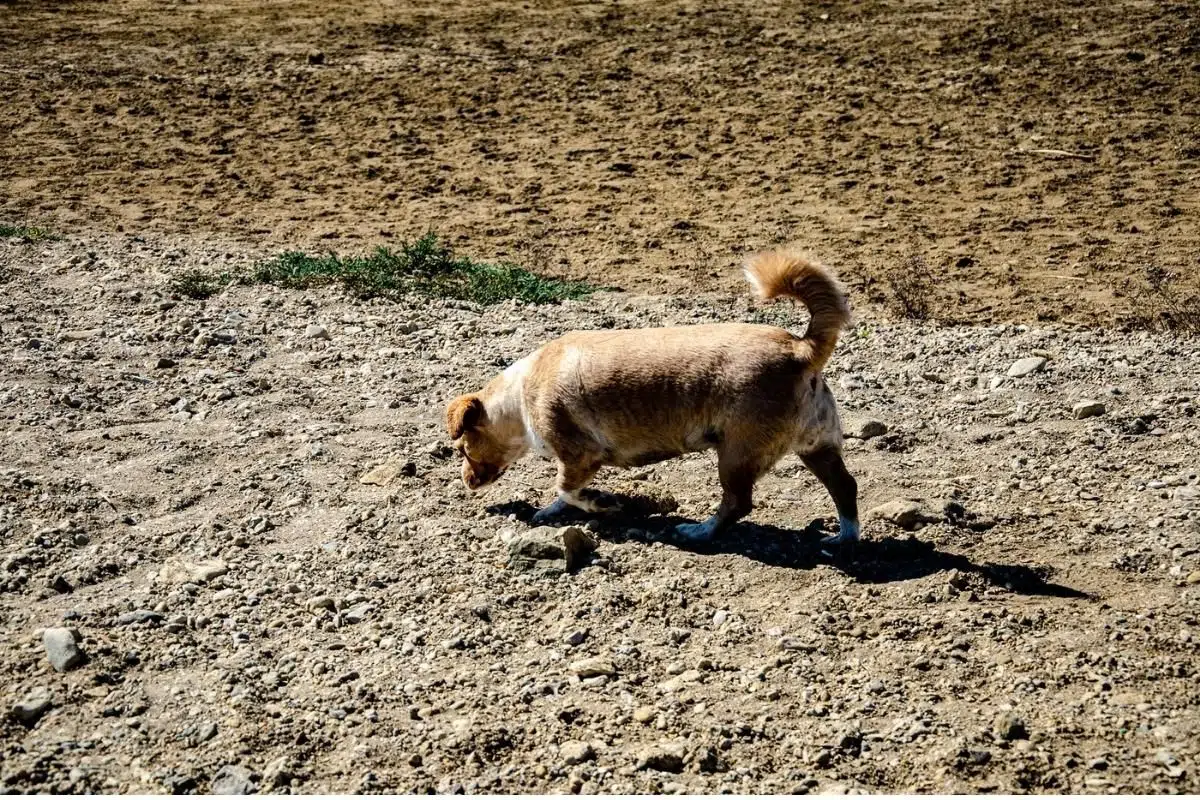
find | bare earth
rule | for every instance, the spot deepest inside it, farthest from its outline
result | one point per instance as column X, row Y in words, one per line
column 643, row 144
column 182, row 481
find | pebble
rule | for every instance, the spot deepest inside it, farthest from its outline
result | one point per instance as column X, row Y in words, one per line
column 61, row 649
column 30, row 708
column 664, row 757
column 1193, row 578
column 315, row 331
column 320, row 602
column 383, row 474
column 645, row 714
column 904, row 513
column 575, row 637
column 1009, row 727
column 233, row 779
column 574, row 752
column 869, row 429
column 593, row 667
column 1088, row 408
column 140, row 616
column 1026, row 366
column 720, row 617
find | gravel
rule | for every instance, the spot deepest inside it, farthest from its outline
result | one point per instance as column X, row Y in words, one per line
column 256, row 617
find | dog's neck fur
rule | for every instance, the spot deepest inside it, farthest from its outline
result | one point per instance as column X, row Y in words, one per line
column 504, row 404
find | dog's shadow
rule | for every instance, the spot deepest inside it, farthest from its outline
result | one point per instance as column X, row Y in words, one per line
column 868, row 561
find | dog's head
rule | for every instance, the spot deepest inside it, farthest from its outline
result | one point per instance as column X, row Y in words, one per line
column 485, row 455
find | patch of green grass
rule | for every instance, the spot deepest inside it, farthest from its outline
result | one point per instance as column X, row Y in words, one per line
column 27, row 233
column 427, row 266
column 198, row 285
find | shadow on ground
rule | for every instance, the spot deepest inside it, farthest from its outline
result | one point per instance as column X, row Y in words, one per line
column 869, row 561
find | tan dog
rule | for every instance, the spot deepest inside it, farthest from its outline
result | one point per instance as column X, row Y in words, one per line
column 627, row 398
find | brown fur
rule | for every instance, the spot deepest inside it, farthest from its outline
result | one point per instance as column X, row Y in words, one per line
column 631, row 397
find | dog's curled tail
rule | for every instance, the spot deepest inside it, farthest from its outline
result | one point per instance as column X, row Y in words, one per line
column 783, row 272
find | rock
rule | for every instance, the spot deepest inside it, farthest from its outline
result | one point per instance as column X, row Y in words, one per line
column 164, row 363
column 575, row 638
column 61, row 649
column 80, row 336
column 321, row 602
column 1088, row 408
column 795, row 643
column 550, row 551
column 315, row 331
column 383, row 474
column 593, row 667
column 278, row 773
column 176, row 571
column 60, row 584
column 578, row 546
column 1009, row 727
column 904, row 513
column 140, row 616
column 576, row 752
column 720, row 618
column 232, row 779
column 1026, row 366
column 30, row 708
column 664, row 757
column 869, row 429
column 1187, row 495
column 358, row 613
column 1193, row 578
column 645, row 714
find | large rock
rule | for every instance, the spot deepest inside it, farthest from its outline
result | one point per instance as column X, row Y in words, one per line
column 232, row 779
column 593, row 667
column 1088, row 408
column 1026, row 366
column 30, row 708
column 904, row 513
column 61, row 649
column 550, row 551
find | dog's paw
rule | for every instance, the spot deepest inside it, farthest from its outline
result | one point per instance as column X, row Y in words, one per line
column 696, row 531
column 847, row 534
column 549, row 513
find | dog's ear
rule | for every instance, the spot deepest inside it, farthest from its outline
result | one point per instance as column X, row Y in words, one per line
column 464, row 413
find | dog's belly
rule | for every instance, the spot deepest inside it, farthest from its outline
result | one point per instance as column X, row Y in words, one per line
column 705, row 439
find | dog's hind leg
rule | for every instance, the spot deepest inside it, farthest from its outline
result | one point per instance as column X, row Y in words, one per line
column 738, row 472
column 572, row 480
column 830, row 469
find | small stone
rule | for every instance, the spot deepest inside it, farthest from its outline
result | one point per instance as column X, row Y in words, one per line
column 576, row 752
column 665, row 757
column 30, row 708
column 232, row 779
column 795, row 643
column 868, row 430
column 140, row 616
column 1193, row 578
column 164, row 363
column 593, row 667
column 358, row 613
column 1099, row 764
column 1088, row 408
column 1009, row 727
column 61, row 585
column 1026, row 366
column 904, row 513
column 575, row 637
column 644, row 714
column 315, row 331
column 61, row 649
column 383, row 474
column 578, row 547
column 321, row 602
column 720, row 618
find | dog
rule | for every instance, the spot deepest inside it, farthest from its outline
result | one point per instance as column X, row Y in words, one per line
column 628, row 398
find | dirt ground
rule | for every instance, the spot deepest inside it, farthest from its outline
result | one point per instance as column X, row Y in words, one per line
column 643, row 144
column 243, row 515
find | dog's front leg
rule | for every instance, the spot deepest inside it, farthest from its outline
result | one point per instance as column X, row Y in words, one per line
column 572, row 479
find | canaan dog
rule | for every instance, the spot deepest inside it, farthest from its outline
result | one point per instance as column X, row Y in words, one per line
column 626, row 398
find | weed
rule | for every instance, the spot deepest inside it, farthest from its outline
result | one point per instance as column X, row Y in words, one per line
column 1160, row 303
column 27, row 233
column 198, row 284
column 427, row 266
column 913, row 288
